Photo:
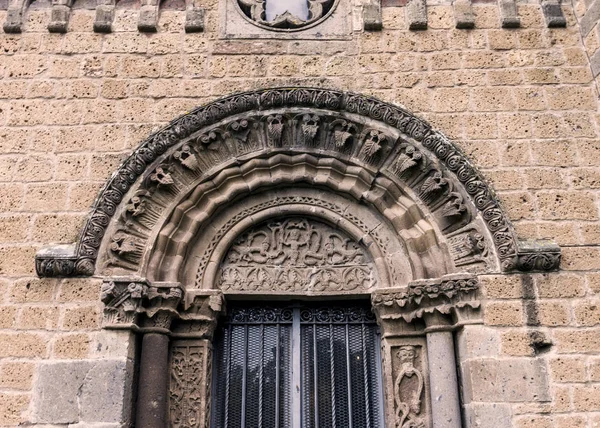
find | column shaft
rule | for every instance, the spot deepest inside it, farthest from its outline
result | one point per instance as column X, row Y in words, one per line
column 154, row 382
column 445, row 404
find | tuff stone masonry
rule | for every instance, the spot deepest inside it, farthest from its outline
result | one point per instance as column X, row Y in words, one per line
column 462, row 200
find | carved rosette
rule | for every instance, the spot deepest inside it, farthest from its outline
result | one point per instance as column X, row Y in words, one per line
column 296, row 255
column 385, row 140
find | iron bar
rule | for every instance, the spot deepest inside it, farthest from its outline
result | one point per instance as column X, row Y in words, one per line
column 316, row 376
column 348, row 378
column 332, row 365
column 365, row 377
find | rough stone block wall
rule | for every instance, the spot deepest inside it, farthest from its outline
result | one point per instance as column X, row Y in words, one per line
column 521, row 102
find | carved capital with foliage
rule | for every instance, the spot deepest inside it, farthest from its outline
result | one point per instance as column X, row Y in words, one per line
column 451, row 300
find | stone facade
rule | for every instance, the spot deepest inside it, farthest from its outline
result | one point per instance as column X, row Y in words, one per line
column 509, row 88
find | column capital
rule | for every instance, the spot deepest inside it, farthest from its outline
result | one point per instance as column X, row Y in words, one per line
column 441, row 303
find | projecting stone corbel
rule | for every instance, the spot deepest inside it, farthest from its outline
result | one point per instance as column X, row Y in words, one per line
column 105, row 15
column 463, row 14
column 14, row 17
column 416, row 14
column 372, row 16
column 60, row 15
column 538, row 255
column 148, row 17
column 194, row 17
column 509, row 17
column 553, row 14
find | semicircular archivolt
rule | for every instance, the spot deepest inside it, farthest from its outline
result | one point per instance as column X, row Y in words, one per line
column 382, row 141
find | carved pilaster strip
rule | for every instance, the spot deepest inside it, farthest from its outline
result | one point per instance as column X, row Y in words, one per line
column 509, row 17
column 416, row 14
column 148, row 17
column 372, row 20
column 105, row 15
column 60, row 15
column 463, row 14
column 190, row 383
column 14, row 17
column 553, row 14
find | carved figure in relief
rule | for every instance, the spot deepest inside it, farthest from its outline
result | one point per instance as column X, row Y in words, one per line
column 373, row 144
column 137, row 204
column 309, row 128
column 161, row 176
column 408, row 388
column 274, row 130
column 343, row 135
column 454, row 206
column 406, row 160
column 432, row 187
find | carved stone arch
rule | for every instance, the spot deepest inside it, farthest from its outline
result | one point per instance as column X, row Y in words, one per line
column 335, row 185
column 386, row 143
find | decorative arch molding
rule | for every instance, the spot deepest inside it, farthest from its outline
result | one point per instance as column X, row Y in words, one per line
column 291, row 194
column 381, row 146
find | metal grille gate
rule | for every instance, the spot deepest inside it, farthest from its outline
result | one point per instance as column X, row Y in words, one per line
column 300, row 366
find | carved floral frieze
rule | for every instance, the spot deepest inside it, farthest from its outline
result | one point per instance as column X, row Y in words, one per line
column 351, row 128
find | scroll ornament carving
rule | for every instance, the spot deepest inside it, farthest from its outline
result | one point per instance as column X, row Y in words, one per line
column 296, row 255
column 341, row 138
column 408, row 389
column 188, row 379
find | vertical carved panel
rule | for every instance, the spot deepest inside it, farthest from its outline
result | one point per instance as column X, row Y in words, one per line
column 189, row 389
column 407, row 384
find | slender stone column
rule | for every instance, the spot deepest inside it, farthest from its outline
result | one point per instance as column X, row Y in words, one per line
column 154, row 381
column 443, row 382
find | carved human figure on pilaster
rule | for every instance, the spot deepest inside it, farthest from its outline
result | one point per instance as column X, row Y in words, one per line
column 408, row 388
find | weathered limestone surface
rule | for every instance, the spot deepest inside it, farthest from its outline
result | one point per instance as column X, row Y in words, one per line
column 521, row 102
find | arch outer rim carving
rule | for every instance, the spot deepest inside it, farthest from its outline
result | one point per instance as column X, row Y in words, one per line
column 80, row 259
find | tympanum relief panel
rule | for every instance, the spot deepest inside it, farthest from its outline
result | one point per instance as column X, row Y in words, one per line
column 298, row 255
